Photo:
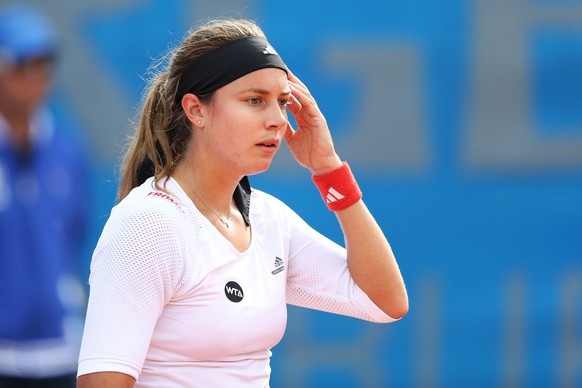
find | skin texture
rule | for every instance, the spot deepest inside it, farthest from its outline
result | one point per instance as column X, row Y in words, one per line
column 238, row 134
column 105, row 380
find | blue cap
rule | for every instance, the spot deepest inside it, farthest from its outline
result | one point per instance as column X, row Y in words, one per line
column 25, row 33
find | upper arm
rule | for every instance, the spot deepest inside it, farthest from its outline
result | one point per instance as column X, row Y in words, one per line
column 105, row 380
column 136, row 267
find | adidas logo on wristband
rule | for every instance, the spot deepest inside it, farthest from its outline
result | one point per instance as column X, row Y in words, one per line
column 338, row 188
column 333, row 195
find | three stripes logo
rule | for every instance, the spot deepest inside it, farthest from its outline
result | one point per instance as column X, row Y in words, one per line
column 279, row 265
column 333, row 195
column 269, row 50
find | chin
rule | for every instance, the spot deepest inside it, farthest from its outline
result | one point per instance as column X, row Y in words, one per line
column 260, row 167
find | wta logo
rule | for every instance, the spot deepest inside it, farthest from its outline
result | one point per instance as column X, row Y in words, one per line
column 233, row 292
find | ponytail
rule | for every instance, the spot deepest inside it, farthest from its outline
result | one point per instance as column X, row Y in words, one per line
column 149, row 152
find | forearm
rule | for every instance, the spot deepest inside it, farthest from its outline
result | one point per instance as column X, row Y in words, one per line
column 371, row 262
column 370, row 259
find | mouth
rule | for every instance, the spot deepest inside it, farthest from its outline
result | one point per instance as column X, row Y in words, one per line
column 271, row 143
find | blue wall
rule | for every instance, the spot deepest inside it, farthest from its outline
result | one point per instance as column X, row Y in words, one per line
column 463, row 123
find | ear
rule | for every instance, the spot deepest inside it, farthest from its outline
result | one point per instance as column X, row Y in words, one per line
column 193, row 109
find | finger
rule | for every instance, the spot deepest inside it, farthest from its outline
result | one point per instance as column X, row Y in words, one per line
column 300, row 85
column 295, row 106
column 302, row 88
column 305, row 92
column 300, row 94
column 306, row 101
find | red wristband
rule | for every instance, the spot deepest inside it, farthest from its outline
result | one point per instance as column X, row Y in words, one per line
column 338, row 188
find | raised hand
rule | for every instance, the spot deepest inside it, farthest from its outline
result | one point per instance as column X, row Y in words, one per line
column 310, row 143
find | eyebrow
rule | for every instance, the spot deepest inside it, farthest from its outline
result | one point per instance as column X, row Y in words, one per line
column 264, row 91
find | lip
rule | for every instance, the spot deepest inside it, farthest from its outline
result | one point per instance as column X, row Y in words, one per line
column 269, row 145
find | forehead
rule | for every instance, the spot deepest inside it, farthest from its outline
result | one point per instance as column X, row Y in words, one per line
column 269, row 80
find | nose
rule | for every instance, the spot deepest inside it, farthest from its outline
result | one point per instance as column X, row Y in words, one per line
column 276, row 117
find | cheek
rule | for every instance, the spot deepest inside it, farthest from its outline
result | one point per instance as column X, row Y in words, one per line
column 225, row 133
column 235, row 121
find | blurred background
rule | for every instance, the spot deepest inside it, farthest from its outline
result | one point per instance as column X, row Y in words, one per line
column 462, row 121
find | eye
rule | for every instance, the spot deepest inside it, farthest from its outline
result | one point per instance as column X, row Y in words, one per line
column 254, row 100
column 284, row 102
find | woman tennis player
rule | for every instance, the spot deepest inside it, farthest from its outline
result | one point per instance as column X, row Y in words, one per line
column 192, row 273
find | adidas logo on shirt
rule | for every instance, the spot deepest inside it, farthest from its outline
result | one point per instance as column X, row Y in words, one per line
column 333, row 195
column 279, row 265
column 278, row 262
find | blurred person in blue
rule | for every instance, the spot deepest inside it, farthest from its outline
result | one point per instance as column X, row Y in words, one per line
column 43, row 206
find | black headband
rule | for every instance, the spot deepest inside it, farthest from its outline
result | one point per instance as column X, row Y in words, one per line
column 226, row 64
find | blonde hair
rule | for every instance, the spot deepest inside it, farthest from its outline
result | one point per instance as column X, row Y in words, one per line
column 163, row 131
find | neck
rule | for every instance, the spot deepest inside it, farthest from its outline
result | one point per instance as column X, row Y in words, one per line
column 209, row 191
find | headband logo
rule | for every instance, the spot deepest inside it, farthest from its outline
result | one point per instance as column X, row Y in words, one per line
column 269, row 50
